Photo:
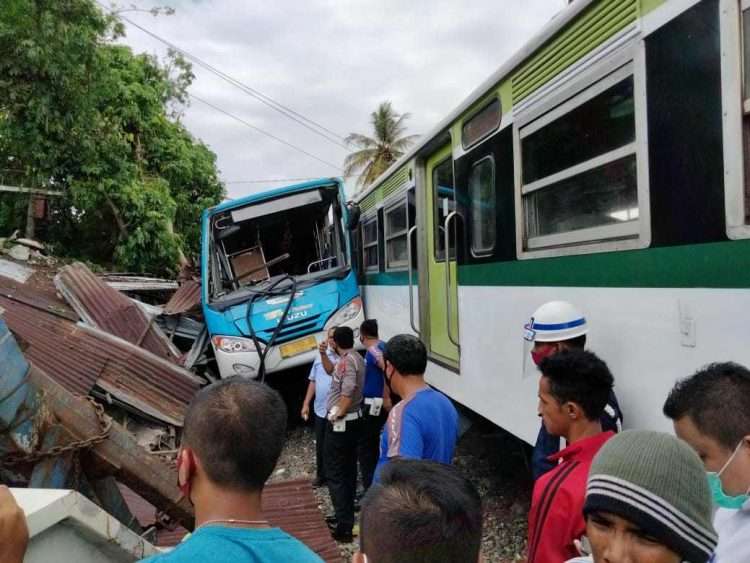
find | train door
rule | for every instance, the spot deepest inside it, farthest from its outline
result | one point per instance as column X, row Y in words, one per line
column 440, row 223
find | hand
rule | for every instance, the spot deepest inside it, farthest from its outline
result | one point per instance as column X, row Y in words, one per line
column 305, row 414
column 14, row 533
column 323, row 347
column 333, row 414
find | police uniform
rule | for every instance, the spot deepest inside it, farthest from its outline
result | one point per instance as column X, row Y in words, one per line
column 342, row 438
column 373, row 414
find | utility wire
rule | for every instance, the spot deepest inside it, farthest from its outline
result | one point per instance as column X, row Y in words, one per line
column 262, row 131
column 299, row 118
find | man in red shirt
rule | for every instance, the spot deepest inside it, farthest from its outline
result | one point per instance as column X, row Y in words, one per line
column 573, row 392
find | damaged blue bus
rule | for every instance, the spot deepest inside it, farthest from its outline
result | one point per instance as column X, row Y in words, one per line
column 276, row 273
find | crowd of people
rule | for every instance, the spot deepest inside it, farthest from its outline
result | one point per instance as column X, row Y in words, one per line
column 601, row 494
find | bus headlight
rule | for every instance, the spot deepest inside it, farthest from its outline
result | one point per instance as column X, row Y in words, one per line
column 231, row 344
column 346, row 313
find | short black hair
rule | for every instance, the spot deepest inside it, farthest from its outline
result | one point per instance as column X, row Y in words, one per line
column 578, row 342
column 343, row 336
column 717, row 400
column 369, row 328
column 407, row 354
column 579, row 377
column 237, row 428
column 421, row 511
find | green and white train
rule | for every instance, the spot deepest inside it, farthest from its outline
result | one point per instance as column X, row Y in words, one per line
column 606, row 164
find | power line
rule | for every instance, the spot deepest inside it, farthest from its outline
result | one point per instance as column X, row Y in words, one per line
column 299, row 118
column 262, row 131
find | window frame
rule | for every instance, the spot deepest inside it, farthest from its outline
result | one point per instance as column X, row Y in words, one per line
column 736, row 107
column 584, row 86
column 435, row 210
column 484, row 252
column 487, row 102
column 388, row 236
column 365, row 245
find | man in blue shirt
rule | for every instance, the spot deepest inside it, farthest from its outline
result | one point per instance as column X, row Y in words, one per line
column 424, row 425
column 320, row 383
column 376, row 401
column 233, row 435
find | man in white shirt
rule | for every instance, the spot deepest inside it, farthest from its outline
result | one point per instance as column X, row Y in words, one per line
column 320, row 383
column 711, row 412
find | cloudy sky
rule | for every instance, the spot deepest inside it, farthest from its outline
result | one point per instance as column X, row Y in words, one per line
column 332, row 61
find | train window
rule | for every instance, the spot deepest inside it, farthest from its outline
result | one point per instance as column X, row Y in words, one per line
column 445, row 203
column 396, row 227
column 481, row 124
column 579, row 170
column 370, row 244
column 746, row 100
column 483, row 206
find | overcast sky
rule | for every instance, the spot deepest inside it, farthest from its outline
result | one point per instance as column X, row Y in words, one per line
column 332, row 61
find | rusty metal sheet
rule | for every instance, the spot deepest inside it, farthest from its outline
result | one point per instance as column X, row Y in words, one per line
column 107, row 309
column 136, row 283
column 79, row 357
column 185, row 300
column 38, row 294
column 290, row 505
column 120, row 453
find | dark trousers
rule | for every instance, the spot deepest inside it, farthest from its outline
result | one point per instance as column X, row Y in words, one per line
column 320, row 440
column 341, row 471
column 368, row 451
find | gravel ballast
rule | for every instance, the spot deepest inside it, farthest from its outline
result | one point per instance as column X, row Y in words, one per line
column 492, row 459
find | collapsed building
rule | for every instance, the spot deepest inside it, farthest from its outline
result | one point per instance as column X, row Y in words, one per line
column 94, row 384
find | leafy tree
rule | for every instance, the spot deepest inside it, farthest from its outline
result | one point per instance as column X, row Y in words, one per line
column 82, row 115
column 378, row 152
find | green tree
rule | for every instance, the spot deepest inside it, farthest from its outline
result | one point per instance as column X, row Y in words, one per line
column 378, row 152
column 85, row 116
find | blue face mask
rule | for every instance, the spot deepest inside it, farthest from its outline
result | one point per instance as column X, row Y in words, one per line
column 721, row 498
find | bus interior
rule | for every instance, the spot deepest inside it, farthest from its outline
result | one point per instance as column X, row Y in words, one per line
column 299, row 234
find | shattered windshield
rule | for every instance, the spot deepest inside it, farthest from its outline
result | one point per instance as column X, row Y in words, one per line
column 299, row 235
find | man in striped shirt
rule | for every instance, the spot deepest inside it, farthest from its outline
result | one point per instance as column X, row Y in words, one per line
column 573, row 392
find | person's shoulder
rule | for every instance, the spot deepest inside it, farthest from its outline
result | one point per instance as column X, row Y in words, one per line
column 298, row 551
column 434, row 395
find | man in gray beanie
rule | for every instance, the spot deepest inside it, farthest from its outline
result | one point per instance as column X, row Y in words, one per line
column 647, row 501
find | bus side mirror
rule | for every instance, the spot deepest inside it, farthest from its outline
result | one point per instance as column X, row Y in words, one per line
column 354, row 214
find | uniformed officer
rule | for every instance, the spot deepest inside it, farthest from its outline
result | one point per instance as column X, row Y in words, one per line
column 343, row 431
column 376, row 401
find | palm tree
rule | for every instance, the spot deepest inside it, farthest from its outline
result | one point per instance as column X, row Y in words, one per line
column 377, row 153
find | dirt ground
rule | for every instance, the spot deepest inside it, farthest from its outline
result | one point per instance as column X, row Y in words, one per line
column 493, row 460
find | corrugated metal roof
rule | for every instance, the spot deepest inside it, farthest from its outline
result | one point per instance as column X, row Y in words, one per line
column 79, row 357
column 39, row 295
column 290, row 505
column 136, row 283
column 108, row 309
column 185, row 299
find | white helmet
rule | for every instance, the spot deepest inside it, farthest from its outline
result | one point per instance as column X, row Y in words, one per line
column 556, row 321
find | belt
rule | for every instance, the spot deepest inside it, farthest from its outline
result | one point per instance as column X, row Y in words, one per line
column 369, row 400
column 352, row 416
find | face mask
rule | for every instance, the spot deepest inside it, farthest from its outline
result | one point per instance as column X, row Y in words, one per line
column 539, row 356
column 387, row 378
column 721, row 498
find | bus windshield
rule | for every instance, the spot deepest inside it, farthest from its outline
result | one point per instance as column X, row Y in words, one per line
column 300, row 234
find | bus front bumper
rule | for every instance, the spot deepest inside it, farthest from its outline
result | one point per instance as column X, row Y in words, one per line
column 246, row 363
